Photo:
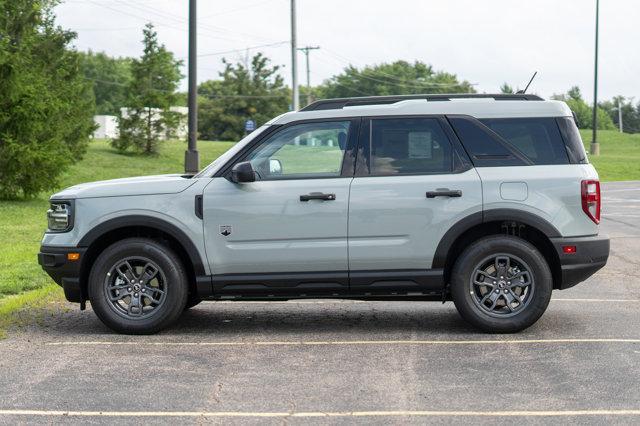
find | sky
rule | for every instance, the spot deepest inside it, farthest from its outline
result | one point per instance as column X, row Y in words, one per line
column 486, row 42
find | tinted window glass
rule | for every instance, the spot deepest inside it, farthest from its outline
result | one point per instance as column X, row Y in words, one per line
column 302, row 150
column 572, row 140
column 485, row 148
column 409, row 146
column 537, row 138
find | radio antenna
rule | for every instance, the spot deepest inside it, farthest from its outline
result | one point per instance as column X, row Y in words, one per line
column 522, row 92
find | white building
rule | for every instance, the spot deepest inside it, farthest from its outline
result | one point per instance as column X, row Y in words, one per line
column 182, row 129
column 107, row 127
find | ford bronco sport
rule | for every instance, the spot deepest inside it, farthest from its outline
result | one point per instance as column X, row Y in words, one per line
column 486, row 200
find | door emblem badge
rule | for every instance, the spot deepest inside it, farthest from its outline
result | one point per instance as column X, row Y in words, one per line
column 226, row 230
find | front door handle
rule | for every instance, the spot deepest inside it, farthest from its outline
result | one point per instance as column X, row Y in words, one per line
column 318, row 196
column 444, row 192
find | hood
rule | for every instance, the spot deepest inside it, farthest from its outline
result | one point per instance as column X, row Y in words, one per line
column 143, row 185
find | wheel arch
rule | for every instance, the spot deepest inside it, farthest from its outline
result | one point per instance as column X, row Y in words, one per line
column 528, row 226
column 113, row 230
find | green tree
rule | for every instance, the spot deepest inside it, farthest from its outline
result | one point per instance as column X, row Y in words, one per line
column 110, row 78
column 256, row 92
column 584, row 112
column 630, row 113
column 151, row 93
column 46, row 106
column 397, row 78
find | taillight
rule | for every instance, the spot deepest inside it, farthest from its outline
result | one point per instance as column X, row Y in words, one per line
column 591, row 199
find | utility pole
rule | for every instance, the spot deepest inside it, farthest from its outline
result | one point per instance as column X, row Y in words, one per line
column 191, row 156
column 295, row 104
column 620, row 113
column 595, row 146
column 306, row 52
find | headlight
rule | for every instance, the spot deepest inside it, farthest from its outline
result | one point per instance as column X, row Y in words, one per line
column 60, row 216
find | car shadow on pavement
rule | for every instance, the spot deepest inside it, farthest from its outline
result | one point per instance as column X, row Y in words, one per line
column 324, row 320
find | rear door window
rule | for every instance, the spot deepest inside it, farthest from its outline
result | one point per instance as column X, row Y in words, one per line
column 408, row 146
column 539, row 139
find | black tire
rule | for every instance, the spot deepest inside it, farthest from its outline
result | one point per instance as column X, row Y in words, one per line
column 165, row 295
column 508, row 314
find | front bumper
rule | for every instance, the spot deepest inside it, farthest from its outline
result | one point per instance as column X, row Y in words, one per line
column 591, row 254
column 66, row 273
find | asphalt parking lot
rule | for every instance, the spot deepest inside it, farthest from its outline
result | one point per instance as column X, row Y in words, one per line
column 322, row 361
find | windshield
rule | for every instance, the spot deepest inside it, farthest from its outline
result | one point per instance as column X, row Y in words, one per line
column 211, row 168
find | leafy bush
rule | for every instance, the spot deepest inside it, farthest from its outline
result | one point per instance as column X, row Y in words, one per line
column 46, row 106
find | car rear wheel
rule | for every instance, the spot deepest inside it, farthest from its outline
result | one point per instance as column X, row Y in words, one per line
column 501, row 284
column 138, row 286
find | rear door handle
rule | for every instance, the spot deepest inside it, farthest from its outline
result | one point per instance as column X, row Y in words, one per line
column 444, row 192
column 318, row 196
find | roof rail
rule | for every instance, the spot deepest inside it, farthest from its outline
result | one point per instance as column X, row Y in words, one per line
column 340, row 103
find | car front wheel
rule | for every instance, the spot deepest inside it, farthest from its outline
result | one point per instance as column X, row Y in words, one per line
column 138, row 286
column 501, row 284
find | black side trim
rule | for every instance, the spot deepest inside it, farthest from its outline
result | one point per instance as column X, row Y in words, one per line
column 149, row 222
column 281, row 283
column 327, row 284
column 494, row 215
column 397, row 281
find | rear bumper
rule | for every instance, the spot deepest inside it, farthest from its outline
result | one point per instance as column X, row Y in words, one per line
column 590, row 255
column 64, row 272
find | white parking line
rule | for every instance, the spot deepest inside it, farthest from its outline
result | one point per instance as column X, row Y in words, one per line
column 342, row 342
column 598, row 300
column 398, row 413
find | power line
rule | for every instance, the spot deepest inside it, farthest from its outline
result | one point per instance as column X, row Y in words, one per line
column 182, row 20
column 246, row 48
column 158, row 24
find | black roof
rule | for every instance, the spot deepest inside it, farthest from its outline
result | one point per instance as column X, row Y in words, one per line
column 340, row 103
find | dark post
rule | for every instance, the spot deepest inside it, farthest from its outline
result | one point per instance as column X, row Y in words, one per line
column 595, row 146
column 191, row 156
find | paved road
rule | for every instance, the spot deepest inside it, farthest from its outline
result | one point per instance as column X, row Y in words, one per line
column 365, row 362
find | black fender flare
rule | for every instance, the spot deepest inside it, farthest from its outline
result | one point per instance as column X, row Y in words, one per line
column 492, row 215
column 148, row 222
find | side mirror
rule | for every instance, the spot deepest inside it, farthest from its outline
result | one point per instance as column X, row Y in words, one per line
column 243, row 172
column 275, row 167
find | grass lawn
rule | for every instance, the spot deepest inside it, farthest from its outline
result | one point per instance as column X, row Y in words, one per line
column 619, row 155
column 23, row 222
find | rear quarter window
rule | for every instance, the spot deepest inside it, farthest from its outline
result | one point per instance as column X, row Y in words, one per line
column 539, row 139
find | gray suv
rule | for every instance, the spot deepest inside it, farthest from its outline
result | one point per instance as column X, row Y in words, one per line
column 486, row 200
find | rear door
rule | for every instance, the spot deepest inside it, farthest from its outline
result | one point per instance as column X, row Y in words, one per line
column 413, row 182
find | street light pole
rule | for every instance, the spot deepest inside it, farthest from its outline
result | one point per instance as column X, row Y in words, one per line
column 191, row 156
column 295, row 104
column 595, row 146
column 306, row 52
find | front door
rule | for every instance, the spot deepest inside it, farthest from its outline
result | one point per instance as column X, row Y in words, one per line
column 287, row 231
column 412, row 184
